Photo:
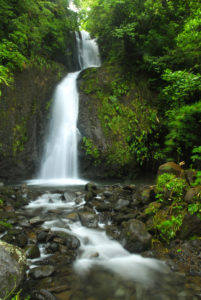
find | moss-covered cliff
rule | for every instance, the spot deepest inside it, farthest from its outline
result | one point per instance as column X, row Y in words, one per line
column 117, row 120
column 24, row 111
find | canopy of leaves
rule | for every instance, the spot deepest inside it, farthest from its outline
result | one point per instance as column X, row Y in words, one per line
column 32, row 31
column 160, row 39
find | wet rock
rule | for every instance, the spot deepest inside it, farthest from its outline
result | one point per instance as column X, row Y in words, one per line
column 32, row 251
column 43, row 294
column 191, row 194
column 51, row 247
column 113, row 232
column 135, row 237
column 22, row 221
column 121, row 203
column 13, row 265
column 42, row 236
column 36, row 221
column 90, row 187
column 191, row 226
column 88, row 219
column 170, row 167
column 190, row 175
column 41, row 272
column 66, row 239
column 130, row 187
column 147, row 195
column 15, row 237
column 89, row 196
column 73, row 217
column 69, row 196
column 101, row 206
column 119, row 218
column 107, row 194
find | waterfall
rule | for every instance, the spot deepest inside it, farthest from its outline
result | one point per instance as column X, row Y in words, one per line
column 59, row 161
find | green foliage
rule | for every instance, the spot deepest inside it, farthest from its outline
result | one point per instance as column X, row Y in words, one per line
column 91, row 149
column 152, row 208
column 161, row 39
column 5, row 224
column 170, row 192
column 167, row 225
column 19, row 136
column 183, row 88
column 170, row 188
column 184, row 131
column 33, row 31
column 194, row 208
column 196, row 156
column 197, row 180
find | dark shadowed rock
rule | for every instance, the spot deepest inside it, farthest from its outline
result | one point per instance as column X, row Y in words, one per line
column 16, row 237
column 191, row 226
column 135, row 237
column 32, row 251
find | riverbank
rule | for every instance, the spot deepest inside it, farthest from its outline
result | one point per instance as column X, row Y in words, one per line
column 62, row 234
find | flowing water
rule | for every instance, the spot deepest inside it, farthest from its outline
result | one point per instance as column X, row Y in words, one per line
column 59, row 165
column 97, row 251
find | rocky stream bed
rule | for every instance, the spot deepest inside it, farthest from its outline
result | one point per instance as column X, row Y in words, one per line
column 92, row 243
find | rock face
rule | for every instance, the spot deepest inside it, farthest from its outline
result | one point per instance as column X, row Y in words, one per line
column 24, row 112
column 12, row 264
column 103, row 121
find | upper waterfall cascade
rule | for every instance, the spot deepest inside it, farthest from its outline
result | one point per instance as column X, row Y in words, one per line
column 59, row 162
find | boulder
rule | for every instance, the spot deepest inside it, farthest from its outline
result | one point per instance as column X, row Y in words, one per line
column 171, row 167
column 41, row 272
column 135, row 237
column 13, row 266
column 32, row 251
column 121, row 203
column 147, row 194
column 191, row 194
column 88, row 219
column 191, row 226
column 90, row 187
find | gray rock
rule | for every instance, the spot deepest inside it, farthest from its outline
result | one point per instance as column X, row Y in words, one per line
column 135, row 237
column 88, row 219
column 36, row 221
column 41, row 237
column 121, row 203
column 69, row 196
column 41, row 272
column 13, row 264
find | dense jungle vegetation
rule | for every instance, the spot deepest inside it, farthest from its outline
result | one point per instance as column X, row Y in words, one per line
column 157, row 41
column 152, row 44
column 33, row 32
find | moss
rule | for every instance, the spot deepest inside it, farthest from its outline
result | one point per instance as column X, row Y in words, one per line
column 127, row 119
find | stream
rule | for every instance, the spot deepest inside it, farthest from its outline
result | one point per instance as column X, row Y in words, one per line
column 83, row 262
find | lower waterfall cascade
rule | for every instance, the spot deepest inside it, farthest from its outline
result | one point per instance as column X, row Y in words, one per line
column 59, row 164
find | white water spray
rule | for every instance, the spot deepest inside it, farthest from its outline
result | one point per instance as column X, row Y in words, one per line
column 60, row 162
